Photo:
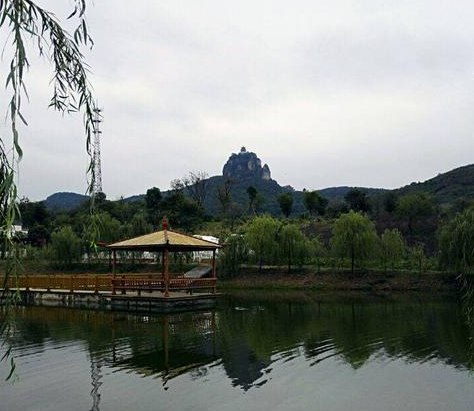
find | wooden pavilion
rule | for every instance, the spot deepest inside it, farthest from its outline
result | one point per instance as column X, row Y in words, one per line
column 164, row 242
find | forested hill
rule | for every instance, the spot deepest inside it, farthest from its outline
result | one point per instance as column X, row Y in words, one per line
column 245, row 169
column 269, row 190
column 447, row 187
column 338, row 193
column 64, row 201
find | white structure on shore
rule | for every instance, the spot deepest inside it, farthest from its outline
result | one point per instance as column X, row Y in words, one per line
column 205, row 255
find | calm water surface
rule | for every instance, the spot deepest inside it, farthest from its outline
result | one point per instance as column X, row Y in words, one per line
column 287, row 351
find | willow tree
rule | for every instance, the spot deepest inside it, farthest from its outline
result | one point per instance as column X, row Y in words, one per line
column 294, row 246
column 353, row 237
column 391, row 248
column 261, row 237
column 35, row 30
column 456, row 244
column 456, row 253
column 317, row 251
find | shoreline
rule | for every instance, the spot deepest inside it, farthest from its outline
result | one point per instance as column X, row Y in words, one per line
column 343, row 281
column 277, row 278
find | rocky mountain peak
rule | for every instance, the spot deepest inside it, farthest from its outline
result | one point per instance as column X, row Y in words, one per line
column 245, row 165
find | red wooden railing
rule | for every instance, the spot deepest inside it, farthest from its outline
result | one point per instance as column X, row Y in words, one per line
column 97, row 283
column 175, row 284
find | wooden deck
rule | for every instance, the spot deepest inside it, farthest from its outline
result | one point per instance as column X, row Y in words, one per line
column 128, row 292
column 121, row 284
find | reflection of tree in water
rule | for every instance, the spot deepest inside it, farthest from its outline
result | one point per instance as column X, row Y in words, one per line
column 467, row 297
column 265, row 333
column 353, row 330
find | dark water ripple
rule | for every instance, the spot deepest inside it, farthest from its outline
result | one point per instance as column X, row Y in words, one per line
column 248, row 353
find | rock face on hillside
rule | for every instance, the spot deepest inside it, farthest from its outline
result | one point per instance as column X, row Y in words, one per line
column 245, row 165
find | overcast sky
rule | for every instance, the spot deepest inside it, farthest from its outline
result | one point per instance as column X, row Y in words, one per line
column 362, row 92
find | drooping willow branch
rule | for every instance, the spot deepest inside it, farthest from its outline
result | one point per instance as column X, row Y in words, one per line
column 72, row 92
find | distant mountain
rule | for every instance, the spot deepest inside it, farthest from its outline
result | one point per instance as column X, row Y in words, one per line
column 64, row 201
column 447, row 187
column 136, row 197
column 244, row 169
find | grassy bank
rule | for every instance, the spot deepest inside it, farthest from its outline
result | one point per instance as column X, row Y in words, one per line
column 328, row 280
column 277, row 278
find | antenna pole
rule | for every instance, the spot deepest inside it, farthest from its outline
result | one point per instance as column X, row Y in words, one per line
column 97, row 171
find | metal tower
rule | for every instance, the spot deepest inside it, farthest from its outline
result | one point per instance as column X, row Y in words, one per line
column 97, row 171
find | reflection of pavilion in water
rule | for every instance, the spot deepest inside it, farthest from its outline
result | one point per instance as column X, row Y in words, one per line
column 157, row 358
column 247, row 335
column 166, row 345
column 168, row 356
column 162, row 345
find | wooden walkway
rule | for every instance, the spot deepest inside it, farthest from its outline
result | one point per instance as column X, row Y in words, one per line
column 129, row 293
column 126, row 284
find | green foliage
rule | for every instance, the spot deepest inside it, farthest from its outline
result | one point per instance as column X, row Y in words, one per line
column 110, row 229
column 65, row 247
column 181, row 211
column 294, row 247
column 138, row 225
column 259, row 203
column 25, row 20
column 314, row 203
column 252, row 193
column 64, row 201
column 417, row 257
column 357, row 200
column 317, row 251
column 390, row 201
column 233, row 255
column 336, row 208
column 413, row 207
column 445, row 188
column 33, row 213
column 285, row 201
column 153, row 199
column 391, row 248
column 261, row 237
column 353, row 237
column 38, row 235
column 456, row 243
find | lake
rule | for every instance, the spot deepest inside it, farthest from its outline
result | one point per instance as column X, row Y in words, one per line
column 271, row 351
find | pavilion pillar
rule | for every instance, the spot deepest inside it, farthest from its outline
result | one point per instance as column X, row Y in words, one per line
column 214, row 270
column 163, row 265
column 114, row 270
column 166, row 272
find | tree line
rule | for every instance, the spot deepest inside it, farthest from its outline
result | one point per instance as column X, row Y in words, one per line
column 358, row 230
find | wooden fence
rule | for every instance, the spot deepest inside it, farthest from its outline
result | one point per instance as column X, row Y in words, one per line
column 124, row 284
column 98, row 283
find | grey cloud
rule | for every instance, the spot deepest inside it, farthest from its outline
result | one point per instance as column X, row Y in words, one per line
column 372, row 92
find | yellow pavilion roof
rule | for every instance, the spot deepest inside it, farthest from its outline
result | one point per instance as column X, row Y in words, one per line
column 164, row 239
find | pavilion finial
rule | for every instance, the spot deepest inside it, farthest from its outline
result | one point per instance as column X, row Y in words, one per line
column 165, row 224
